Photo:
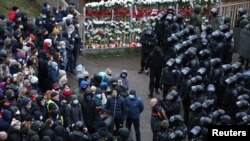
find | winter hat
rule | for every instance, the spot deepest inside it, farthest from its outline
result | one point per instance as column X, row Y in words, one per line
column 84, row 84
column 98, row 91
column 25, row 100
column 36, row 126
column 14, row 8
column 62, row 73
column 46, row 138
column 86, row 73
column 29, row 63
column 54, row 93
column 59, row 130
column 68, row 22
column 38, row 115
column 67, row 92
column 6, row 115
column 165, row 124
column 33, row 79
column 132, row 92
column 6, row 104
column 47, row 44
column 54, row 65
column 63, row 80
column 124, row 74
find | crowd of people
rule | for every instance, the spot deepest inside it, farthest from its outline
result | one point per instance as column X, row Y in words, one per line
column 36, row 100
column 191, row 62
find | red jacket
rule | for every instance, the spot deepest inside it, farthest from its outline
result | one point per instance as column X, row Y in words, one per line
column 12, row 15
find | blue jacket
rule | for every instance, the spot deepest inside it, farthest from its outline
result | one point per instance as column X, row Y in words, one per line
column 116, row 107
column 134, row 107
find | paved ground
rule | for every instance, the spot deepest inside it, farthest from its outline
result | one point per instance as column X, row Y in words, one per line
column 137, row 82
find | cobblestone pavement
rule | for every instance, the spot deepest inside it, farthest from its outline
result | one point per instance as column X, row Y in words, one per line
column 139, row 82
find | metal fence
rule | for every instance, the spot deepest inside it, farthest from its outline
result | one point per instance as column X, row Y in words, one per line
column 231, row 10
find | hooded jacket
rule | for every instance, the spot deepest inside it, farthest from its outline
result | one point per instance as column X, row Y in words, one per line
column 5, row 120
column 134, row 107
column 116, row 107
column 88, row 109
column 73, row 112
column 124, row 77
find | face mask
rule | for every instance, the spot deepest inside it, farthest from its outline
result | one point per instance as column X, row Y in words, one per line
column 52, row 19
column 131, row 96
column 99, row 96
column 123, row 75
column 86, row 77
column 41, row 117
column 58, row 47
column 57, row 11
column 77, row 25
column 75, row 101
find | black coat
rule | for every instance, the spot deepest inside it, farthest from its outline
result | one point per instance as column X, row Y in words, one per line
column 14, row 135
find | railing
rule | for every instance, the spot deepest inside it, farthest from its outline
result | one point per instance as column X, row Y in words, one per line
column 231, row 10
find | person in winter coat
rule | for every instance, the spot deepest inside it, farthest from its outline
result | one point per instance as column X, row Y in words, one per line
column 54, row 108
column 14, row 132
column 172, row 104
column 43, row 80
column 27, row 110
column 157, row 116
column 116, row 106
column 88, row 111
column 73, row 112
column 40, row 106
column 53, row 73
column 134, row 109
column 12, row 13
column 100, row 99
column 155, row 61
column 27, row 132
column 5, row 120
column 124, row 78
column 60, row 133
column 102, row 133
